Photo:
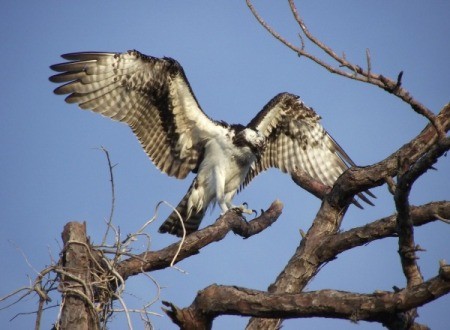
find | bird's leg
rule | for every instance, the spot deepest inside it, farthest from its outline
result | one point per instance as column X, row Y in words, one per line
column 218, row 180
column 224, row 204
column 223, row 207
column 239, row 208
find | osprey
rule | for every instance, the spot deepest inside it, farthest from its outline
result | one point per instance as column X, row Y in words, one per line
column 153, row 96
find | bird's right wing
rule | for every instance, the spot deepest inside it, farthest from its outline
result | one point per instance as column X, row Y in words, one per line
column 151, row 95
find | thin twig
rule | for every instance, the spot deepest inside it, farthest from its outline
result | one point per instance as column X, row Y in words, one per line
column 357, row 73
column 183, row 238
column 24, row 256
column 158, row 289
column 315, row 40
column 369, row 64
column 29, row 313
column 125, row 309
column 113, row 194
column 447, row 221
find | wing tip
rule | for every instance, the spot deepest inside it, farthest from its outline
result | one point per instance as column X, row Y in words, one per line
column 80, row 56
column 364, row 199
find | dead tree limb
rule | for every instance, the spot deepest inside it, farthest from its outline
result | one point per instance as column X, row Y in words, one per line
column 379, row 306
column 305, row 263
column 309, row 256
column 379, row 229
column 231, row 221
column 344, row 67
column 358, row 179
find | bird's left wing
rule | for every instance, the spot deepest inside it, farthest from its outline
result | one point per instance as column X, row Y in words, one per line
column 152, row 95
column 297, row 140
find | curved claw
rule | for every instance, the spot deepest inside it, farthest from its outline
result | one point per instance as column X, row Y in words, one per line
column 243, row 209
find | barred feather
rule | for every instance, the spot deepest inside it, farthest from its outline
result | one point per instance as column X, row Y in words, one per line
column 296, row 139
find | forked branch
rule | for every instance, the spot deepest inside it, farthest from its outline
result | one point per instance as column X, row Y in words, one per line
column 344, row 67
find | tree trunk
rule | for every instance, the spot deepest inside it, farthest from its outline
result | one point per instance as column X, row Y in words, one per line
column 77, row 308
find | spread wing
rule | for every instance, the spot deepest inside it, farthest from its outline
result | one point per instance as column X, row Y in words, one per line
column 296, row 139
column 151, row 95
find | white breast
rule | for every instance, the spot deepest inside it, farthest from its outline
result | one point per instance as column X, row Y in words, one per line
column 224, row 168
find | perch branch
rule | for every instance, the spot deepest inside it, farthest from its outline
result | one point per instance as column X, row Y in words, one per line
column 231, row 221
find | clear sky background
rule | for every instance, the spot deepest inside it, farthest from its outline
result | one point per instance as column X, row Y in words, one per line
column 52, row 172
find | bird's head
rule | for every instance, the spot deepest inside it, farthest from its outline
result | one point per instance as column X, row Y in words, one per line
column 252, row 139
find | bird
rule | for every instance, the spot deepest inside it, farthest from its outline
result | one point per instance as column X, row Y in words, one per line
column 153, row 96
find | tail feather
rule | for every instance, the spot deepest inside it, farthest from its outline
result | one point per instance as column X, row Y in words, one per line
column 191, row 217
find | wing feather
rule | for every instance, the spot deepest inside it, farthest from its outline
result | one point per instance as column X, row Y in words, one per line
column 151, row 95
column 297, row 140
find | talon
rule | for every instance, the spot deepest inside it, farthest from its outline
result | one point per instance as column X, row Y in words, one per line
column 243, row 209
column 256, row 213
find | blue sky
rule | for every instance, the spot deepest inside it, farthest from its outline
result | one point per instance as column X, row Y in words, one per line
column 52, row 172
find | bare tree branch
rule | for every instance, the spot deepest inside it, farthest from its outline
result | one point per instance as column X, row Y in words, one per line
column 355, row 71
column 113, row 194
column 406, row 178
column 307, row 182
column 305, row 263
column 231, row 221
column 358, row 179
column 377, row 307
column 379, row 229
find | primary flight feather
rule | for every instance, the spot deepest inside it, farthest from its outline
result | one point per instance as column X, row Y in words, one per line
column 153, row 96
